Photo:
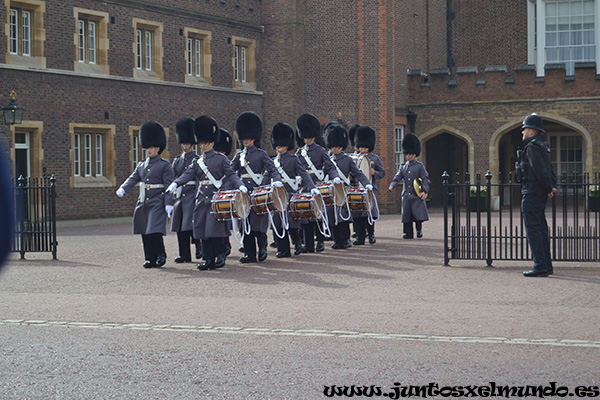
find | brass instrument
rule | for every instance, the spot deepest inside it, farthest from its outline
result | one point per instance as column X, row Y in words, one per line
column 418, row 186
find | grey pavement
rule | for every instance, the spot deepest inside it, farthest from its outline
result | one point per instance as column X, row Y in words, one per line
column 95, row 324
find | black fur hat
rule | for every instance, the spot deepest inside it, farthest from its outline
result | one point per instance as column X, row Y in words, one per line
column 282, row 134
column 308, row 126
column 249, row 126
column 185, row 130
column 336, row 136
column 411, row 144
column 206, row 129
column 152, row 134
column 352, row 134
column 365, row 137
column 225, row 143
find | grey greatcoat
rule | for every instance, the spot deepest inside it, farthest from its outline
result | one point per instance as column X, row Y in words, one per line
column 350, row 170
column 377, row 165
column 206, row 225
column 292, row 167
column 262, row 165
column 413, row 208
column 185, row 196
column 150, row 215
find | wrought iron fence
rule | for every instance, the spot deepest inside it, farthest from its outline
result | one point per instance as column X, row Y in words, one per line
column 35, row 215
column 483, row 221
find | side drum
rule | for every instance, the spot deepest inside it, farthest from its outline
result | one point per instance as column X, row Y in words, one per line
column 359, row 199
column 305, row 206
column 266, row 198
column 228, row 204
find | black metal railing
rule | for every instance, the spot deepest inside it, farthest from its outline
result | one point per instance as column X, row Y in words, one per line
column 483, row 221
column 35, row 215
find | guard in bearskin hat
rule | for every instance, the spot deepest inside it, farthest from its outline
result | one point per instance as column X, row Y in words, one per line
column 185, row 196
column 154, row 205
column 295, row 179
column 364, row 141
column 416, row 186
column 317, row 163
column 336, row 139
column 255, row 168
column 213, row 171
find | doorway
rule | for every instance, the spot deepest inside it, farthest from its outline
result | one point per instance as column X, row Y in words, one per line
column 444, row 153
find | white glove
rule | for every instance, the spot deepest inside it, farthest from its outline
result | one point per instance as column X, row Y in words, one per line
column 315, row 191
column 369, row 187
column 243, row 189
column 337, row 181
column 277, row 184
column 172, row 187
column 120, row 192
column 169, row 210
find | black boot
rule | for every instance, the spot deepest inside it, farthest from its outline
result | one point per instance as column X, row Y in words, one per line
column 208, row 264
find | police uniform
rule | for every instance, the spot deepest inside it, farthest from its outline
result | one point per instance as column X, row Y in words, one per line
column 183, row 210
column 255, row 168
column 308, row 126
column 413, row 207
column 153, row 175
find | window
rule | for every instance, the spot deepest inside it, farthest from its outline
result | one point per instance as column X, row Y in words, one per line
column 567, row 154
column 565, row 30
column 244, row 63
column 136, row 152
column 398, row 136
column 86, row 43
column 148, row 50
column 93, row 155
column 91, row 41
column 197, row 57
column 25, row 33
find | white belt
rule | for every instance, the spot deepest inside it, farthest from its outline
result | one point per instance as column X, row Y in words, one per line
column 179, row 190
column 147, row 186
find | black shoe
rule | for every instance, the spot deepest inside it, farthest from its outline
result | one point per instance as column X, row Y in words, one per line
column 241, row 249
column 320, row 247
column 262, row 254
column 299, row 250
column 273, row 245
column 180, row 260
column 149, row 264
column 372, row 239
column 347, row 245
column 246, row 260
column 307, row 250
column 220, row 263
column 419, row 234
column 227, row 252
column 283, row 254
column 359, row 242
column 535, row 273
column 208, row 264
column 161, row 260
column 336, row 246
column 407, row 236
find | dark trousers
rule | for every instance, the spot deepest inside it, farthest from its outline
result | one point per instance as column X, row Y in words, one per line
column 252, row 240
column 212, row 247
column 341, row 232
column 153, row 246
column 184, row 240
column 360, row 227
column 283, row 244
column 408, row 228
column 309, row 231
column 536, row 227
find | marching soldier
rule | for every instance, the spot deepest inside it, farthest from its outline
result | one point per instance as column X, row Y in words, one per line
column 154, row 205
column 317, row 163
column 212, row 170
column 255, row 168
column 336, row 139
column 413, row 203
column 364, row 140
column 185, row 194
column 295, row 179
column 225, row 147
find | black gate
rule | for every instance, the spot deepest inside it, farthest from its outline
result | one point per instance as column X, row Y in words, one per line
column 35, row 216
column 483, row 221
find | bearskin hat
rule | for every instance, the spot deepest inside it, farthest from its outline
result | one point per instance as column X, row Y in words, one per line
column 365, row 137
column 185, row 130
column 336, row 136
column 249, row 126
column 352, row 134
column 308, row 126
column 282, row 134
column 206, row 129
column 411, row 144
column 152, row 134
column 225, row 143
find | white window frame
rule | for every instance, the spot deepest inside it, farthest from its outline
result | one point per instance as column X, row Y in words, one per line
column 26, row 41
column 81, row 41
column 398, row 137
column 198, row 57
column 91, row 42
column 20, row 32
column 14, row 31
column 87, row 155
column 536, row 14
column 77, row 154
column 136, row 150
column 99, row 155
column 148, row 47
column 236, row 67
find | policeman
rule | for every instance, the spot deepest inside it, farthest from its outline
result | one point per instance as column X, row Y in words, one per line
column 538, row 183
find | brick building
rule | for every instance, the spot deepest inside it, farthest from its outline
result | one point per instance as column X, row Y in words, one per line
column 89, row 73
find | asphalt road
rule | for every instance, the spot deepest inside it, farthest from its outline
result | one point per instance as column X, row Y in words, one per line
column 94, row 324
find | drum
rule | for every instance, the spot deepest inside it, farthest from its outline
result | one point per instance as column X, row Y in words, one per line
column 364, row 164
column 332, row 193
column 228, row 204
column 359, row 199
column 266, row 198
column 305, row 206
